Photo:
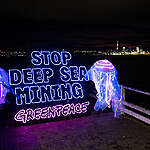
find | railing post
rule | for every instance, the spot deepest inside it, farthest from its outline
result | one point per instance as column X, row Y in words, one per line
column 123, row 93
column 134, row 110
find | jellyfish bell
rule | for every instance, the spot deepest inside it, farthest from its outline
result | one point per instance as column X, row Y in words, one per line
column 104, row 75
column 104, row 65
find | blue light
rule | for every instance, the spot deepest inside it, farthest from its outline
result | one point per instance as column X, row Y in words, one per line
column 4, row 85
column 73, row 73
column 46, row 57
column 25, row 116
column 38, row 84
column 32, row 75
column 104, row 75
column 41, row 94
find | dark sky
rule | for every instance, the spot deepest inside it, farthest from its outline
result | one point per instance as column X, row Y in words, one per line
column 90, row 20
column 81, row 11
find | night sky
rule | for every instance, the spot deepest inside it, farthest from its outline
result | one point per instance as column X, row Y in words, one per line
column 74, row 23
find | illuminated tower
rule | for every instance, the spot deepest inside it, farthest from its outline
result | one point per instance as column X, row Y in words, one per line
column 137, row 49
column 117, row 45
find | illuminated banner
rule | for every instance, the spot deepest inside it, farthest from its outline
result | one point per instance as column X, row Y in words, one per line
column 51, row 87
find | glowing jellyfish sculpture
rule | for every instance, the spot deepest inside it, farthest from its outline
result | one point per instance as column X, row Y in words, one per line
column 4, row 85
column 104, row 75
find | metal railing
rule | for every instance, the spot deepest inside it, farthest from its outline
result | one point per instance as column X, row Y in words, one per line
column 135, row 107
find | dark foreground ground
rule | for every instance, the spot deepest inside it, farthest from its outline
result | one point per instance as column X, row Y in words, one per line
column 95, row 132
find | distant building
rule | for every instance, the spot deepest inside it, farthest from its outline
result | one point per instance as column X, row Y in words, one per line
column 138, row 49
column 124, row 48
column 117, row 45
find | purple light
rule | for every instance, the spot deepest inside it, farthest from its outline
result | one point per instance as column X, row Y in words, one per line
column 50, row 112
